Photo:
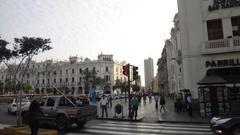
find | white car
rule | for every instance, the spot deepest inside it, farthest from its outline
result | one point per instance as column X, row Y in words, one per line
column 12, row 106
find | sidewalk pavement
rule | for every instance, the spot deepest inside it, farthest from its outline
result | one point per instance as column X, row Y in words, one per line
column 2, row 126
column 25, row 130
column 148, row 113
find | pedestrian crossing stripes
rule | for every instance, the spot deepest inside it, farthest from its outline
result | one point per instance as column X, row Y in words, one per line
column 138, row 128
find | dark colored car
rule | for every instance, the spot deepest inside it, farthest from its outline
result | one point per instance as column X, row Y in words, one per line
column 82, row 100
column 225, row 125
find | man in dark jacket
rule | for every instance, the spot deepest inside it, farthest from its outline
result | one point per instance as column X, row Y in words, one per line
column 162, row 103
column 33, row 115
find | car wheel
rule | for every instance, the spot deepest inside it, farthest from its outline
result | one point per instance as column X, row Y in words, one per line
column 236, row 130
column 80, row 124
column 62, row 122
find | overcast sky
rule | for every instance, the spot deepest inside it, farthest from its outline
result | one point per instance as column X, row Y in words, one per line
column 131, row 30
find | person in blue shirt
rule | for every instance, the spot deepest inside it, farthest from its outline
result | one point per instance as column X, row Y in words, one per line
column 134, row 104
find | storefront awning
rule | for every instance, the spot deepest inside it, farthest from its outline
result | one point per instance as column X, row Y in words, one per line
column 221, row 76
column 212, row 80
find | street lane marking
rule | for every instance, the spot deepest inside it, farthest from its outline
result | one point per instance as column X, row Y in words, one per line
column 160, row 124
column 157, row 127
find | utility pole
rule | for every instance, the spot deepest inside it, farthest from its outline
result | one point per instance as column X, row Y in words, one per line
column 126, row 72
column 129, row 94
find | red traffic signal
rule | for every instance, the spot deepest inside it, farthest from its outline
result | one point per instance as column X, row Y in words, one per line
column 126, row 69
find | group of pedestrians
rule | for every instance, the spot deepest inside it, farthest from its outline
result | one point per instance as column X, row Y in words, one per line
column 183, row 103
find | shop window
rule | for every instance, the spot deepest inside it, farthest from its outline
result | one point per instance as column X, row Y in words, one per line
column 236, row 25
column 215, row 30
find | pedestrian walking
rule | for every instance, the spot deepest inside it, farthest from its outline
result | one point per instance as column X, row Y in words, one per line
column 144, row 98
column 33, row 115
column 156, row 98
column 103, row 104
column 110, row 100
column 189, row 104
column 134, row 104
column 162, row 103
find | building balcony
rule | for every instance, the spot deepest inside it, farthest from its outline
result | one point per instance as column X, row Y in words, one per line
column 221, row 46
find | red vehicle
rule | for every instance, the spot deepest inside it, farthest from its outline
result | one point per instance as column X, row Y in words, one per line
column 82, row 100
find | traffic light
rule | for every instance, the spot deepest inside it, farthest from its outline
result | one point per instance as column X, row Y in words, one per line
column 135, row 73
column 126, row 69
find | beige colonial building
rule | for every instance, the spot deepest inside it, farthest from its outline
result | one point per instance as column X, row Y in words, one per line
column 71, row 74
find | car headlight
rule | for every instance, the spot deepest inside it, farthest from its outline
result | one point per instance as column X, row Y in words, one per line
column 223, row 120
column 214, row 119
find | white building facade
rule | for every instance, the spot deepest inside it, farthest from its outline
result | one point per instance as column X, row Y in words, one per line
column 71, row 74
column 210, row 51
column 149, row 73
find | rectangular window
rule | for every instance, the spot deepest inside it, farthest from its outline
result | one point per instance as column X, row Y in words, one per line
column 73, row 80
column 80, row 79
column 72, row 71
column 66, row 71
column 66, row 80
column 43, row 81
column 60, row 80
column 54, row 80
column 106, row 69
column 80, row 70
column 215, row 30
column 37, row 81
column 236, row 25
column 48, row 81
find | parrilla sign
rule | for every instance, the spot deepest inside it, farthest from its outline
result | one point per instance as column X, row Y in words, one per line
column 222, row 63
column 221, row 4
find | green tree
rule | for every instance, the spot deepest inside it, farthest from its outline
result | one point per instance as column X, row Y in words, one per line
column 24, row 86
column 1, row 87
column 9, row 85
column 22, row 51
column 91, row 80
column 120, row 85
column 135, row 88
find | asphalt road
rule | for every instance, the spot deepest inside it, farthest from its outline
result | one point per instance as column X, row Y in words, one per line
column 6, row 118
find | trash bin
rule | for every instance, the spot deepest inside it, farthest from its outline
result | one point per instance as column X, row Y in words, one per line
column 118, row 110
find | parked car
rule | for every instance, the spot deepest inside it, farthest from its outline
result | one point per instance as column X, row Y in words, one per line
column 13, row 105
column 82, row 100
column 225, row 125
column 63, row 111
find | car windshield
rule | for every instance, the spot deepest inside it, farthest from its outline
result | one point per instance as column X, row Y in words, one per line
column 23, row 100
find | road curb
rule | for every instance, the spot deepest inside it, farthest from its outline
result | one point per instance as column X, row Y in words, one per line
column 13, row 130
